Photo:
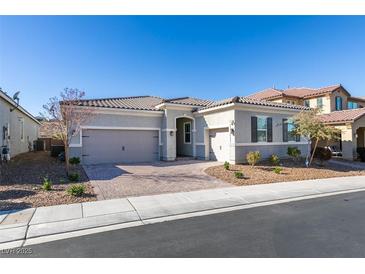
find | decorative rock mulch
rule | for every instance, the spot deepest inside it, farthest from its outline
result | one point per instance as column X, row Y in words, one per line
column 21, row 182
column 291, row 171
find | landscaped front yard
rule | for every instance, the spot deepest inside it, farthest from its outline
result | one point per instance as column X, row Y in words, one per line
column 263, row 172
column 22, row 178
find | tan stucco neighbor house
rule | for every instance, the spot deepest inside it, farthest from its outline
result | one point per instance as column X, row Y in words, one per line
column 148, row 128
column 338, row 109
column 18, row 127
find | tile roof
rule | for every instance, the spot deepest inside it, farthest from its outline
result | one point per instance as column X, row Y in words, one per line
column 189, row 101
column 150, row 103
column 342, row 116
column 269, row 93
column 308, row 92
column 136, row 102
column 293, row 92
column 250, row 101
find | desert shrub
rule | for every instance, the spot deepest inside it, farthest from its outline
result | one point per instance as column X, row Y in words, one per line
column 253, row 157
column 226, row 165
column 74, row 177
column 274, row 160
column 47, row 184
column 294, row 152
column 278, row 170
column 322, row 154
column 76, row 190
column 74, row 160
column 238, row 175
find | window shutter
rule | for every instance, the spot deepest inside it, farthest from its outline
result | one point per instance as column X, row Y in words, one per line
column 285, row 130
column 269, row 129
column 254, row 129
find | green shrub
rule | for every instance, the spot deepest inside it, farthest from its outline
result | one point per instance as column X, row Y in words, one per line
column 238, row 175
column 294, row 152
column 274, row 160
column 74, row 160
column 74, row 177
column 226, row 165
column 253, row 157
column 278, row 170
column 47, row 184
column 322, row 154
column 76, row 190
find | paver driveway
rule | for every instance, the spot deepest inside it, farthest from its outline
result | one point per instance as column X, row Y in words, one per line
column 117, row 181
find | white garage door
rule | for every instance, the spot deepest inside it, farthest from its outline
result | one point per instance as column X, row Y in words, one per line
column 119, row 146
column 219, row 144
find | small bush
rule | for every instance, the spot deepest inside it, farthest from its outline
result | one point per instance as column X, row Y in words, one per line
column 322, row 154
column 226, row 165
column 274, row 160
column 238, row 175
column 74, row 177
column 253, row 157
column 47, row 184
column 294, row 152
column 76, row 190
column 278, row 170
column 74, row 160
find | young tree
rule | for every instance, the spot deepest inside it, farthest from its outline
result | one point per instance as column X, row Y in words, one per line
column 309, row 125
column 68, row 116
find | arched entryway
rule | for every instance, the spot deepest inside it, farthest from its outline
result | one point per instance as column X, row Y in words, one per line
column 184, row 137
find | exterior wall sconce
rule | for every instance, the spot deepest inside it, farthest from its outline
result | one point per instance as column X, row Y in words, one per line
column 171, row 133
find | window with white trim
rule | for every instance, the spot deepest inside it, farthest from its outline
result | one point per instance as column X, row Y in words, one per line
column 261, row 129
column 187, row 133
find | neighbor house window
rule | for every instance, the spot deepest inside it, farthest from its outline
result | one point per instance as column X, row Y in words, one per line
column 261, row 129
column 320, row 103
column 307, row 103
column 338, row 103
column 21, row 129
column 288, row 131
column 187, row 133
column 352, row 105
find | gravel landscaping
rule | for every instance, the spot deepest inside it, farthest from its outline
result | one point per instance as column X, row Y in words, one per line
column 21, row 182
column 263, row 173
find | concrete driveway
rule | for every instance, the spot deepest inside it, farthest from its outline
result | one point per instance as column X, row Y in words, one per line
column 117, row 181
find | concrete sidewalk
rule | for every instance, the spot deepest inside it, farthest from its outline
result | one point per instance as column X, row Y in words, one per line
column 35, row 225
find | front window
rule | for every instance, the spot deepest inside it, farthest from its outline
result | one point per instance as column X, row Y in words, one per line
column 352, row 105
column 338, row 103
column 261, row 129
column 320, row 103
column 307, row 103
column 291, row 135
column 187, row 133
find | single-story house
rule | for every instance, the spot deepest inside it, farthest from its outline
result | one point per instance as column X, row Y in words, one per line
column 18, row 127
column 148, row 128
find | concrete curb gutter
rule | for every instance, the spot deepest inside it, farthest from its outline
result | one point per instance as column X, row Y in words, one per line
column 44, row 224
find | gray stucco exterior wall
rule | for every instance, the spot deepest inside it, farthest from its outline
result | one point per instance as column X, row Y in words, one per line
column 13, row 121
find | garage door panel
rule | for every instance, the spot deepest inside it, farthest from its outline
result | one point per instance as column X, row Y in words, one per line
column 219, row 144
column 120, row 146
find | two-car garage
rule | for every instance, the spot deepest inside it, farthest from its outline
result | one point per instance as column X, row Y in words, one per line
column 119, row 146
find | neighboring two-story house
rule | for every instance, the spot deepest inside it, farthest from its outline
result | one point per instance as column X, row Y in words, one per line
column 18, row 127
column 338, row 108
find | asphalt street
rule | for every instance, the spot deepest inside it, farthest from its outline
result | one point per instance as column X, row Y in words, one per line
column 323, row 227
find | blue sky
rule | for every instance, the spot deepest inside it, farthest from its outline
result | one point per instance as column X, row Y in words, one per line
column 171, row 56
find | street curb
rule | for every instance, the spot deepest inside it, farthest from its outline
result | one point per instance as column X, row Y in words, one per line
column 82, row 232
